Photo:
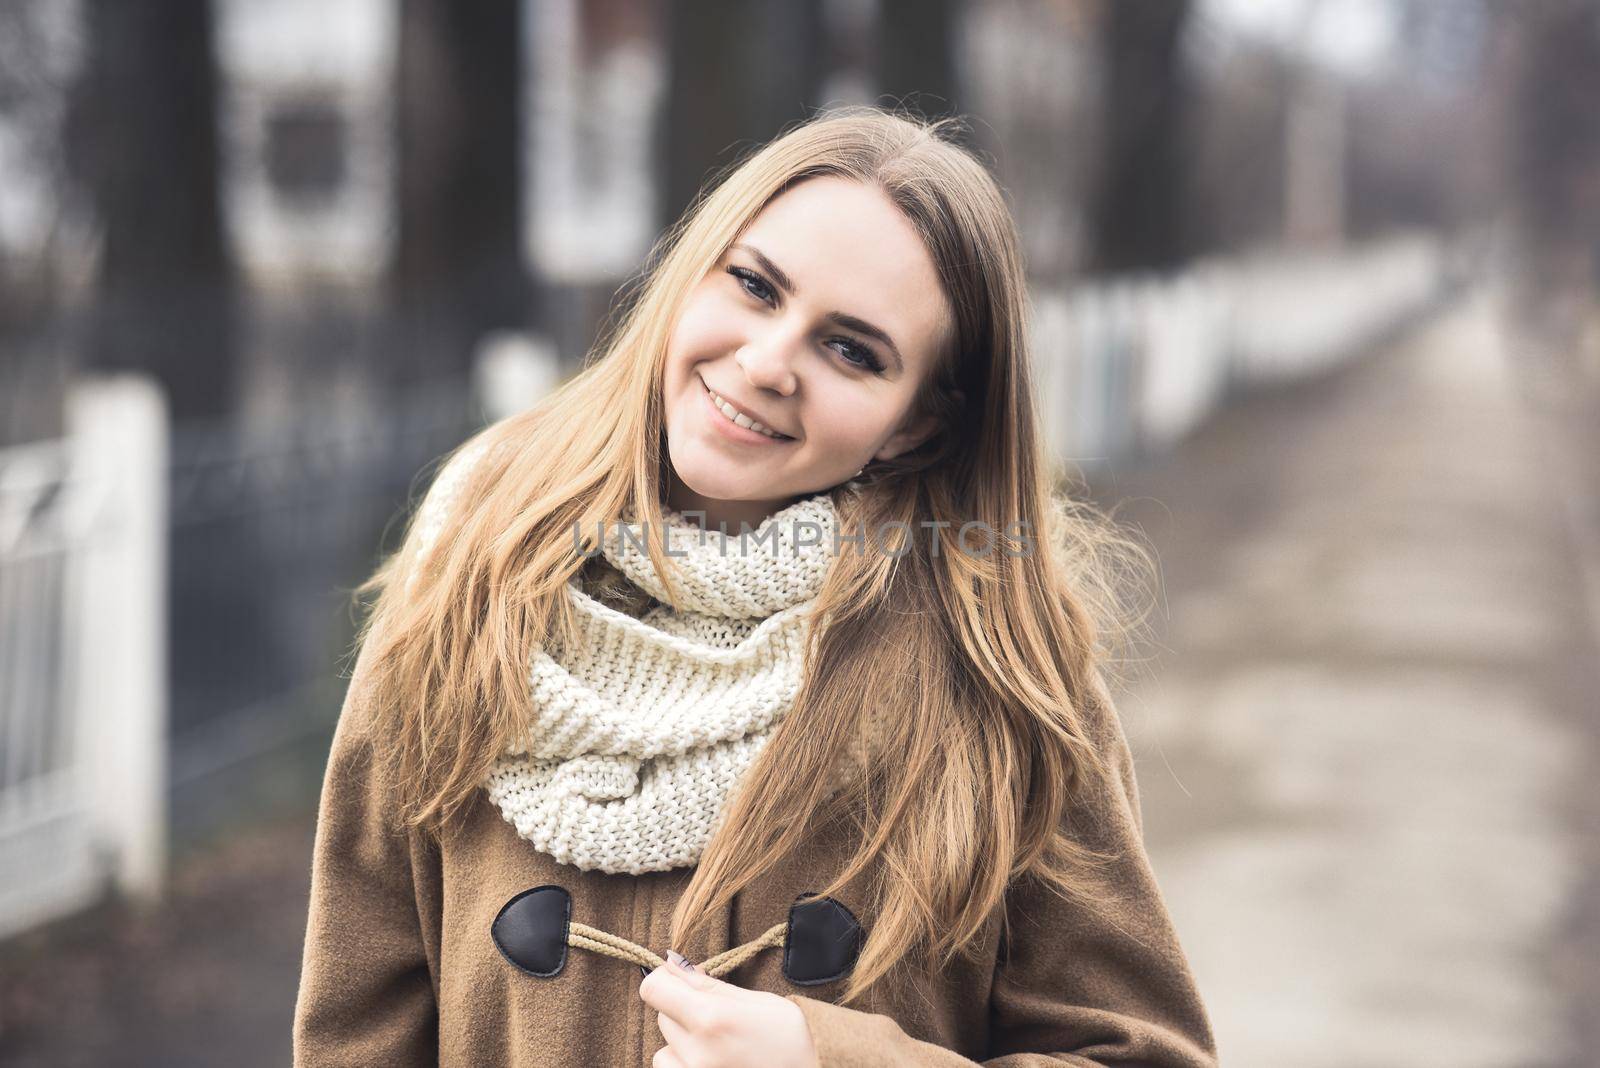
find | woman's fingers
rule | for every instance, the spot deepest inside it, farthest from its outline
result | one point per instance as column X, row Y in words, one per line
column 674, row 1032
column 673, row 992
column 665, row 1058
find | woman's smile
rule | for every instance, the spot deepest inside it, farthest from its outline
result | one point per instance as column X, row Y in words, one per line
column 736, row 425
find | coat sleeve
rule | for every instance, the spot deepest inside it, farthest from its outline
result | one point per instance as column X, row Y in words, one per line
column 367, row 984
column 1110, row 986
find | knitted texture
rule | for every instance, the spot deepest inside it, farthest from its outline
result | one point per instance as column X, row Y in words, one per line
column 643, row 725
column 435, row 507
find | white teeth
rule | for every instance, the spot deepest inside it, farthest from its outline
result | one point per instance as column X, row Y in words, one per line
column 739, row 418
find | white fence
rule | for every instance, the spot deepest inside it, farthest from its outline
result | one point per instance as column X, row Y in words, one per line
column 1135, row 364
column 107, row 759
column 82, row 657
column 85, row 701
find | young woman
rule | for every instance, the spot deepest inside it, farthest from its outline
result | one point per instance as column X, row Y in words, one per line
column 765, row 645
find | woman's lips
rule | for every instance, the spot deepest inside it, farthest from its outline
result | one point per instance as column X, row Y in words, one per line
column 743, row 435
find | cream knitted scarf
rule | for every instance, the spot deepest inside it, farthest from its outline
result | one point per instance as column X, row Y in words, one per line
column 643, row 726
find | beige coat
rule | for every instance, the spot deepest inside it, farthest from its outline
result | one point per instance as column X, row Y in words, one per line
column 401, row 967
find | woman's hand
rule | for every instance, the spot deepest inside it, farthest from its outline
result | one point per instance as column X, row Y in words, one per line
column 712, row 1024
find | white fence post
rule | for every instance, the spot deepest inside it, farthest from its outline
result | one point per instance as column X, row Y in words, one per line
column 118, row 429
column 512, row 372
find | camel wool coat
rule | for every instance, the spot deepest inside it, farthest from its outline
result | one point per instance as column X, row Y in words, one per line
column 403, row 964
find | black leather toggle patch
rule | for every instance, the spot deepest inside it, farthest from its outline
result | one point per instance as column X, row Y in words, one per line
column 531, row 930
column 824, row 940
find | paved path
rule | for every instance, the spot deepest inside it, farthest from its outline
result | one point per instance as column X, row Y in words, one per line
column 1367, row 748
column 207, row 979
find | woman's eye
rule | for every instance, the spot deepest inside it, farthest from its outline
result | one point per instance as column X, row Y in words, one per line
column 859, row 355
column 752, row 283
column 855, row 354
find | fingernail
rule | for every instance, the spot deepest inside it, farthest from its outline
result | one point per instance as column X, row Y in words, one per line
column 677, row 958
column 644, row 971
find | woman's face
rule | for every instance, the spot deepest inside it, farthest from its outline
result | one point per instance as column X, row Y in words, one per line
column 820, row 322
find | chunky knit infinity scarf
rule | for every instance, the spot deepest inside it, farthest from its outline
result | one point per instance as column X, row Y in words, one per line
column 643, row 726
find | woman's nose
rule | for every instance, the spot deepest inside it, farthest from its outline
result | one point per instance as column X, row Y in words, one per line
column 769, row 360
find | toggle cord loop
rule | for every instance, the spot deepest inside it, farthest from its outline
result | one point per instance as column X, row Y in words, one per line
column 582, row 936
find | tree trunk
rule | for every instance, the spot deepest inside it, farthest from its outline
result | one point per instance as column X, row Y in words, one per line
column 144, row 130
column 1139, row 218
column 917, row 57
column 458, row 269
column 739, row 73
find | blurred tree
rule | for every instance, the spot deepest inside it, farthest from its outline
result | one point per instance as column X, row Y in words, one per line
column 917, row 54
column 739, row 72
column 1554, row 184
column 1556, row 130
column 1237, row 178
column 458, row 267
column 36, row 75
column 143, row 136
column 1138, row 215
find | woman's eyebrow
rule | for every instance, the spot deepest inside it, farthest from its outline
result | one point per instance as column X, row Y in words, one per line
column 771, row 268
column 849, row 322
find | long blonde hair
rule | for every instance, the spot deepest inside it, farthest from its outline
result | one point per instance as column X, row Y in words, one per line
column 993, row 655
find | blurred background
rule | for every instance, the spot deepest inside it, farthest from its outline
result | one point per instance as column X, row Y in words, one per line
column 1316, row 297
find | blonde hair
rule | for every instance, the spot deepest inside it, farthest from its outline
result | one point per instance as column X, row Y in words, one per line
column 994, row 656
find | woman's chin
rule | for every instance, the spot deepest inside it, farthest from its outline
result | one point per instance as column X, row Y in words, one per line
column 721, row 487
column 715, row 477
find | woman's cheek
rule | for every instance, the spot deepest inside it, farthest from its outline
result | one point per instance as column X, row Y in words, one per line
column 705, row 329
column 843, row 432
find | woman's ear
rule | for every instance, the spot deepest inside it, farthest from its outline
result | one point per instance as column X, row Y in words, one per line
column 908, row 437
column 917, row 430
